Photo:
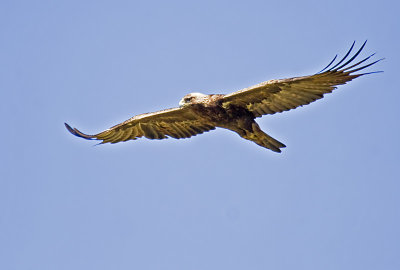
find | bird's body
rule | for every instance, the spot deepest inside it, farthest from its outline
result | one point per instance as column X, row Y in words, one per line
column 237, row 111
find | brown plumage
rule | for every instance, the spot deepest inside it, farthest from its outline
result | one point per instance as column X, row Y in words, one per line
column 200, row 113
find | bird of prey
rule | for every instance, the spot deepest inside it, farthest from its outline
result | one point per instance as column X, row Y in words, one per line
column 198, row 113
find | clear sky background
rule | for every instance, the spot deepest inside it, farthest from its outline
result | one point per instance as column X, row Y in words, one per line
column 330, row 200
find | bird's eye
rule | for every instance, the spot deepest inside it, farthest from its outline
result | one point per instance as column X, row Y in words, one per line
column 188, row 99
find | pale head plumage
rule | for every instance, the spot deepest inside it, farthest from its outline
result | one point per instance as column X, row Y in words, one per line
column 192, row 98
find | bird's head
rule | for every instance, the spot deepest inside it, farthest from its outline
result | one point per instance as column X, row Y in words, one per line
column 192, row 98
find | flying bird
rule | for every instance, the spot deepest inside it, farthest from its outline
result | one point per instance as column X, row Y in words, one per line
column 237, row 111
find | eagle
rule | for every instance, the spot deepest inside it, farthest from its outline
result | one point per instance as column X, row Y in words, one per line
column 198, row 113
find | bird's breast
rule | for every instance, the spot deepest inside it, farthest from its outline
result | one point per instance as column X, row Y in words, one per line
column 222, row 116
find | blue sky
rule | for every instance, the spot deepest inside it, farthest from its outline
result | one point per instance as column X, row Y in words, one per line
column 215, row 201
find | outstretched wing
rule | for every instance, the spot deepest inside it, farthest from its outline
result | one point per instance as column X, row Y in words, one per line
column 282, row 95
column 176, row 123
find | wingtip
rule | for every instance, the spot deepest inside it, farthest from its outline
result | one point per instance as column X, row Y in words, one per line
column 339, row 67
column 77, row 133
column 69, row 128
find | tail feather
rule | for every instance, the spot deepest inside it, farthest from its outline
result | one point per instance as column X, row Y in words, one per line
column 271, row 143
column 262, row 139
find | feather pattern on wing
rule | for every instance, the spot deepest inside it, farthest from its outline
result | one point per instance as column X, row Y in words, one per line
column 176, row 123
column 282, row 95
